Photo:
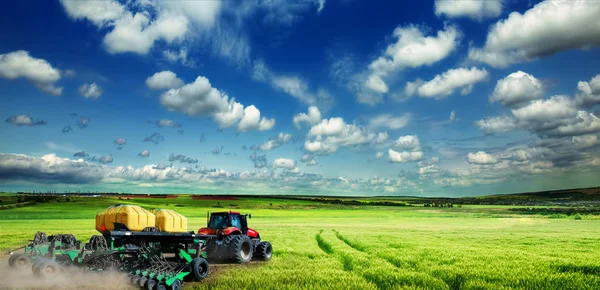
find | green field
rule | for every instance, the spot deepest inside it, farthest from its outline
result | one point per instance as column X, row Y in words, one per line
column 327, row 246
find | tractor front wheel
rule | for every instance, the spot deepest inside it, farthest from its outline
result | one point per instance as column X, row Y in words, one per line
column 263, row 251
column 150, row 284
column 239, row 248
column 20, row 262
column 199, row 268
column 47, row 269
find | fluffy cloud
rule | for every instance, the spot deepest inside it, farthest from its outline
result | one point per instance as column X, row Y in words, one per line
column 144, row 154
column 408, row 142
column 545, row 114
column 276, row 142
column 517, row 89
column 100, row 13
column 19, row 64
column 476, row 10
column 196, row 99
column 81, row 154
column 252, row 121
column 445, row 84
column 404, row 156
column 260, row 161
column 410, row 49
column 120, row 141
column 90, row 91
column 105, row 159
column 452, row 116
column 179, row 56
column 284, row 163
column 481, row 158
column 379, row 155
column 25, row 120
column 48, row 169
column 154, row 138
column 496, row 125
column 331, row 134
column 182, row 159
column 313, row 117
column 588, row 92
column 388, row 121
column 546, row 29
column 201, row 99
column 166, row 123
column 164, row 80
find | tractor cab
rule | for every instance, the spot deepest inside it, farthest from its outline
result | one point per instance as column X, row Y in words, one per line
column 226, row 223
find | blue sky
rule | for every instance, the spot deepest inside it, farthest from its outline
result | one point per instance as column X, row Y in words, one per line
column 429, row 98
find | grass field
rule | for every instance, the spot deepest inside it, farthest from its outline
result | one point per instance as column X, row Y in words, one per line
column 325, row 246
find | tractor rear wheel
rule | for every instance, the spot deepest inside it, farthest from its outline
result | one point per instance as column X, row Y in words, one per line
column 213, row 251
column 263, row 251
column 142, row 282
column 10, row 260
column 199, row 268
column 48, row 268
column 161, row 286
column 239, row 248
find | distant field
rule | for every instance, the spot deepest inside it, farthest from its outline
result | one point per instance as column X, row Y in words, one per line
column 329, row 246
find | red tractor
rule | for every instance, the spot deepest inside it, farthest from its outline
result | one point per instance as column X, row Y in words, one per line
column 236, row 242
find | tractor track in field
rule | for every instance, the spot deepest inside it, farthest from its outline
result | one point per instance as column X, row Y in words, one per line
column 357, row 246
column 323, row 245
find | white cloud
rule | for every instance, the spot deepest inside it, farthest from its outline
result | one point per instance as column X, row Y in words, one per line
column 517, row 89
column 201, row 99
column 284, row 163
column 231, row 116
column 584, row 123
column 376, row 84
column 24, row 120
column 105, row 159
column 546, row 29
column 164, row 80
column 445, row 84
column 588, row 92
column 100, row 13
column 90, row 91
column 312, row 162
column 252, row 121
column 196, row 99
column 545, row 114
column 144, row 154
column 298, row 88
column 430, row 169
column 496, row 125
column 413, row 49
column 390, row 122
column 481, row 158
column 474, row 9
column 276, row 142
column 19, row 64
column 331, row 134
column 313, row 117
column 321, row 6
column 452, row 116
column 404, row 156
column 408, row 142
column 203, row 13
column 379, row 155
column 181, row 56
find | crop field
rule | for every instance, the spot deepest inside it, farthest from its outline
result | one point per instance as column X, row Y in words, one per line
column 327, row 246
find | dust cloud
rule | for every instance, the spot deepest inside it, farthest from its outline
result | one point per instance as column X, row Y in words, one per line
column 67, row 278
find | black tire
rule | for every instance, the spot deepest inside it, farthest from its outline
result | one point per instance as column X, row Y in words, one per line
column 10, row 260
column 199, row 269
column 239, row 248
column 150, row 284
column 97, row 242
column 142, row 282
column 47, row 269
column 263, row 251
column 161, row 286
column 176, row 285
column 21, row 262
column 36, row 264
column 135, row 279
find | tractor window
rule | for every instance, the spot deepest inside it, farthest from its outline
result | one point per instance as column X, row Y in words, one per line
column 236, row 222
column 218, row 221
